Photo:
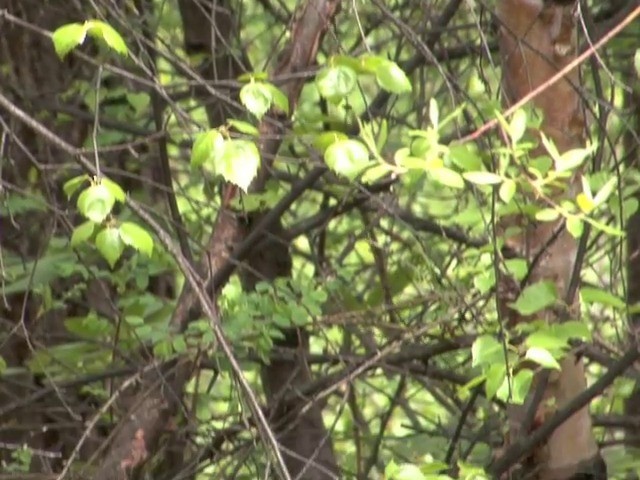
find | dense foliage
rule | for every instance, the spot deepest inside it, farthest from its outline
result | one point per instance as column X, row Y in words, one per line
column 193, row 213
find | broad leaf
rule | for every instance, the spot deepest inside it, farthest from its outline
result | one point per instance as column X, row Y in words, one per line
column 96, row 202
column 257, row 97
column 347, row 157
column 137, row 237
column 535, row 298
column 391, row 77
column 110, row 245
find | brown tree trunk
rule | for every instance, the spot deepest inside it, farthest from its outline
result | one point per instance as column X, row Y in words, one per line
column 632, row 157
column 536, row 41
column 306, row 444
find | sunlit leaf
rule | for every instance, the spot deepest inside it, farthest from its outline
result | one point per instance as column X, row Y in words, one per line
column 347, row 157
column 391, row 77
column 110, row 245
column 96, row 202
column 336, row 82
column 542, row 357
column 535, row 298
column 68, row 37
column 238, row 162
column 482, row 178
column 82, row 233
column 257, row 97
column 137, row 237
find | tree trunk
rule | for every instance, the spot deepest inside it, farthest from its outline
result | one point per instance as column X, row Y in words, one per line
column 536, row 41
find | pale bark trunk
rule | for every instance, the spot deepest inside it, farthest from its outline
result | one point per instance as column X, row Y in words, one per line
column 536, row 41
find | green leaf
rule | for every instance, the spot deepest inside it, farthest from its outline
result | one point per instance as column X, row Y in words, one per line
column 347, row 157
column 585, row 203
column 68, row 37
column 238, row 163
column 110, row 245
column 96, row 202
column 391, row 77
column 605, row 192
column 465, row 156
column 82, row 233
column 278, row 98
column 323, row 140
column 137, row 237
column 257, row 97
column 482, row 178
column 243, row 127
column 636, row 62
column 486, row 350
column 547, row 215
column 535, row 298
column 575, row 226
column 447, row 177
column 335, row 83
column 72, row 185
column 407, row 471
column 434, row 116
column 572, row 159
column 108, row 35
column 518, row 125
column 546, row 339
column 3, row 365
column 542, row 357
column 115, row 189
column 603, row 297
column 572, row 329
column 205, row 146
column 496, row 377
column 507, row 190
column 521, row 385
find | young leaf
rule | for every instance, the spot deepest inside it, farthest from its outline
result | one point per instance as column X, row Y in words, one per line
column 108, row 35
column 482, row 178
column 535, row 298
column 447, row 177
column 496, row 379
column 238, row 163
column 391, row 77
column 115, row 189
column 72, row 185
column 486, row 350
column 137, row 237
column 68, row 37
column 205, row 146
column 96, row 202
column 521, row 385
column 347, row 157
column 257, row 97
column 575, row 226
column 335, row 83
column 542, row 357
column 571, row 159
column 243, row 127
column 547, row 215
column 110, row 245
column 82, row 233
column 518, row 125
column 507, row 190
column 278, row 98
column 603, row 297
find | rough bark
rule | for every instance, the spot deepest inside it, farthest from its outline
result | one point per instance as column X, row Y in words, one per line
column 536, row 40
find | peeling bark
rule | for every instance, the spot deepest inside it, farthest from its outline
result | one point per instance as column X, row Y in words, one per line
column 536, row 41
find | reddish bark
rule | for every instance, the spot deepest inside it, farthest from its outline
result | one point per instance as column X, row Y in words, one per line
column 536, row 41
